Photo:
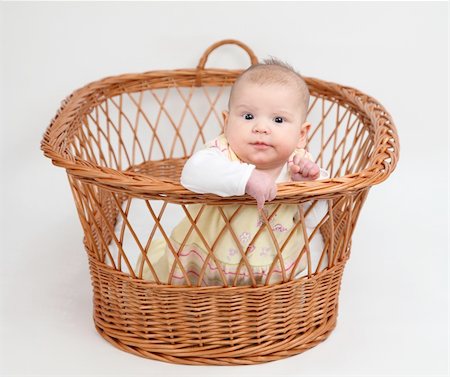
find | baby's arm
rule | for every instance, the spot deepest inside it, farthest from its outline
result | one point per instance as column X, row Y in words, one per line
column 208, row 171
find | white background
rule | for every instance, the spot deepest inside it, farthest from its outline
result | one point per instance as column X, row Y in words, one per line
column 394, row 297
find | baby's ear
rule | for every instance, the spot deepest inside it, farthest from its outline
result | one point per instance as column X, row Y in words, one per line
column 225, row 115
column 304, row 130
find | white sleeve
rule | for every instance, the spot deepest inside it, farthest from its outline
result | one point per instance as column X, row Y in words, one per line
column 320, row 208
column 208, row 171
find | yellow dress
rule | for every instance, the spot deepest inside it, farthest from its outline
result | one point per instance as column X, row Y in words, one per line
column 218, row 250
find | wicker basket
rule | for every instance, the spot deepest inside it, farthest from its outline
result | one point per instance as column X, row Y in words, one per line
column 123, row 140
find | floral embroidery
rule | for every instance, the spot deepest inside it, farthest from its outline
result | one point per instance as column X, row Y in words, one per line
column 279, row 228
column 232, row 252
column 245, row 238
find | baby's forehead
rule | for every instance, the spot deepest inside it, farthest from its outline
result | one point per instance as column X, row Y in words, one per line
column 248, row 84
column 241, row 87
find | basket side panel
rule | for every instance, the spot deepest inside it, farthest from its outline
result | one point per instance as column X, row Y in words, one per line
column 340, row 139
column 131, row 128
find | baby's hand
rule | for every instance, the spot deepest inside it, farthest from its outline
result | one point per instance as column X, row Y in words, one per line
column 304, row 169
column 261, row 186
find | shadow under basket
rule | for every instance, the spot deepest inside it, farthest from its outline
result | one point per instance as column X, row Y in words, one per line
column 123, row 141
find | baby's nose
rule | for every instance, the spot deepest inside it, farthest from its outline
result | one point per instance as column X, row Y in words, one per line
column 261, row 127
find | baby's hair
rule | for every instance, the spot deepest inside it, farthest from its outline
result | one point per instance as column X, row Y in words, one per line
column 275, row 71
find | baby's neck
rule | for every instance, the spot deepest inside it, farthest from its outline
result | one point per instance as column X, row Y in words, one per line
column 273, row 171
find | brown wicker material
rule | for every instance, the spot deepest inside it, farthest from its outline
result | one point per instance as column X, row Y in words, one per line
column 123, row 140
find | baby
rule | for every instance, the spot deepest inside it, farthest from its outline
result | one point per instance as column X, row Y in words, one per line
column 265, row 133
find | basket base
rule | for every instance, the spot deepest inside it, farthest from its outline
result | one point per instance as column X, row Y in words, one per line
column 214, row 325
column 289, row 347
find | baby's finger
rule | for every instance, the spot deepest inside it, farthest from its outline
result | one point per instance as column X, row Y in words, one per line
column 307, row 174
column 260, row 201
column 295, row 169
column 314, row 172
column 302, row 168
column 273, row 193
column 307, row 170
column 302, row 164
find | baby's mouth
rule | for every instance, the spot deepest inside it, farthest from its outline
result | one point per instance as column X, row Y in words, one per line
column 260, row 145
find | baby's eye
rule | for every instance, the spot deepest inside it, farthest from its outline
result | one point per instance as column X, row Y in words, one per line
column 248, row 116
column 278, row 120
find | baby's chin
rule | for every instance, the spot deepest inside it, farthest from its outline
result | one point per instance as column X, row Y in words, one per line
column 261, row 161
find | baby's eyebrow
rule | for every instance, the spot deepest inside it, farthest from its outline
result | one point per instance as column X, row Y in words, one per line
column 244, row 106
column 283, row 112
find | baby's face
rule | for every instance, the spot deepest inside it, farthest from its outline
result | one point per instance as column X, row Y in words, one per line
column 265, row 124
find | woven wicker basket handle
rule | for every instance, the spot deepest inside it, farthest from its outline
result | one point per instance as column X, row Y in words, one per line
column 204, row 58
column 209, row 50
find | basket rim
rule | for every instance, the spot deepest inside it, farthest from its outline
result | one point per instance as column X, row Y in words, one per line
column 382, row 162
